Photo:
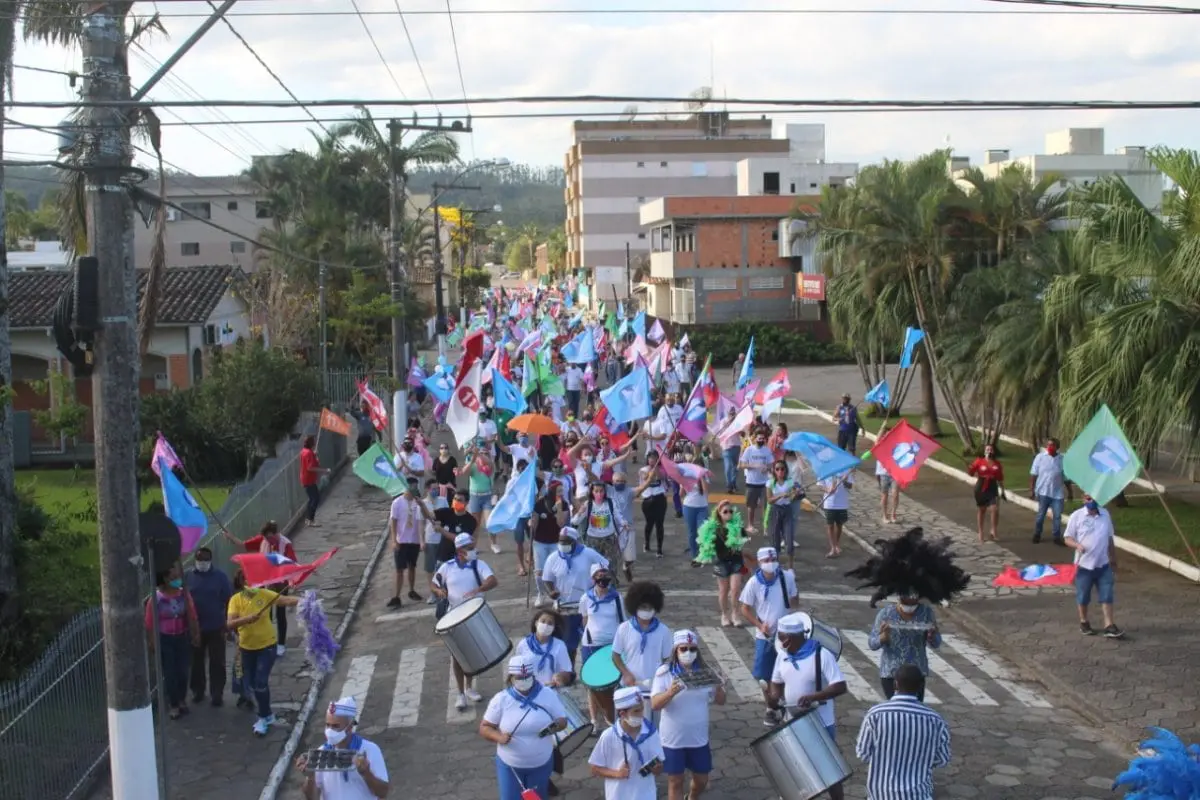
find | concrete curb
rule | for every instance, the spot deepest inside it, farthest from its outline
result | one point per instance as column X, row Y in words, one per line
column 284, row 762
column 1181, row 568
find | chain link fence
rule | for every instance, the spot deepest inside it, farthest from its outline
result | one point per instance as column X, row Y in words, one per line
column 54, row 719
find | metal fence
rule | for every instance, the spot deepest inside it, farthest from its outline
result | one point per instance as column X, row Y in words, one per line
column 341, row 385
column 54, row 719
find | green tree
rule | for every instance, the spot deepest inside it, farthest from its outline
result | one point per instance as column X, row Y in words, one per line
column 518, row 255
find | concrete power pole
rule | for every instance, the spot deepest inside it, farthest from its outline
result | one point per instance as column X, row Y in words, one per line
column 397, row 197
column 107, row 158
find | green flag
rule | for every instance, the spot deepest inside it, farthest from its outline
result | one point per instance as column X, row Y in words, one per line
column 1101, row 461
column 376, row 468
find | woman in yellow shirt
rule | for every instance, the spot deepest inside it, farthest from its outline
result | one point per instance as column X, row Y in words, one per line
column 248, row 615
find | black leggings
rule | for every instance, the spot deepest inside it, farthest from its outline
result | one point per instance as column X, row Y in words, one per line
column 654, row 509
column 889, row 688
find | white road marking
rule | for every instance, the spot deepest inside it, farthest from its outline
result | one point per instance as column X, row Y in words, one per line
column 859, row 640
column 973, row 694
column 406, row 697
column 453, row 715
column 995, row 671
column 358, row 680
column 857, row 685
column 727, row 658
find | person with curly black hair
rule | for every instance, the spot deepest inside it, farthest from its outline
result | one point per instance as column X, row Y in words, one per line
column 642, row 642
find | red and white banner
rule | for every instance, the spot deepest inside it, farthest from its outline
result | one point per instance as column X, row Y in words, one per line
column 810, row 287
column 463, row 413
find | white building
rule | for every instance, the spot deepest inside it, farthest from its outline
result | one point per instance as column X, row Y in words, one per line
column 43, row 256
column 1077, row 156
column 803, row 171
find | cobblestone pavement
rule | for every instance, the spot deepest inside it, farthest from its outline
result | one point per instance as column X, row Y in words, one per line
column 1012, row 738
column 212, row 753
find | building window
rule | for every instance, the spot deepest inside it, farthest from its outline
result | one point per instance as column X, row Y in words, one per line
column 766, row 284
column 770, row 183
column 812, row 186
column 662, row 163
column 237, row 246
column 231, row 205
column 641, row 164
column 720, row 284
column 210, row 335
column 774, row 234
column 262, row 209
column 197, row 210
column 189, row 249
column 792, row 190
column 641, row 236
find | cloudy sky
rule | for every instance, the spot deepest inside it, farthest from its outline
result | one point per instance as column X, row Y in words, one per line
column 321, row 50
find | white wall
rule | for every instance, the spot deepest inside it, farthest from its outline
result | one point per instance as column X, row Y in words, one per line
column 592, row 168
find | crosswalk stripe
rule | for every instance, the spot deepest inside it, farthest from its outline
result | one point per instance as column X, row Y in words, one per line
column 857, row 685
column 406, row 697
column 974, row 695
column 731, row 663
column 858, row 640
column 995, row 671
column 358, row 680
column 453, row 715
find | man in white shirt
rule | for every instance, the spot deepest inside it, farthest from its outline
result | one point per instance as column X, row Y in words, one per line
column 407, row 539
column 806, row 677
column 756, row 461
column 769, row 595
column 456, row 582
column 1048, row 486
column 629, row 754
column 573, row 382
column 1090, row 533
column 567, row 573
column 836, row 504
column 408, row 461
column 369, row 778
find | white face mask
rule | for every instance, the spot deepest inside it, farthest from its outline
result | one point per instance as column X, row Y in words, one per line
column 522, row 685
column 634, row 720
column 645, row 614
column 544, row 630
column 472, row 555
column 566, row 549
column 334, row 736
column 587, row 458
column 768, row 567
column 908, row 609
column 687, row 659
column 203, row 566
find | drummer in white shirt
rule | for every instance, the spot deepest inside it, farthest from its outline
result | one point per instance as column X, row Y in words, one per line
column 514, row 720
column 368, row 779
column 768, row 596
column 457, row 582
column 642, row 642
column 806, row 675
column 567, row 575
column 684, row 723
column 551, row 666
column 627, row 749
column 602, row 615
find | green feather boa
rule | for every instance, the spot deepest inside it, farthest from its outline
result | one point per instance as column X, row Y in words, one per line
column 706, row 537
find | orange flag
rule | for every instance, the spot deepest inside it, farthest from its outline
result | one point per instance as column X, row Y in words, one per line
column 332, row 422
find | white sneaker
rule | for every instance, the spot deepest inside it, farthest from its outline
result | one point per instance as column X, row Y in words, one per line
column 539, row 600
column 496, row 549
column 280, row 650
column 461, row 703
column 472, row 695
column 261, row 726
column 431, row 600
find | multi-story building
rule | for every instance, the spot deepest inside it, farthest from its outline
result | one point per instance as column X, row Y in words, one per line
column 230, row 201
column 1077, row 157
column 802, row 171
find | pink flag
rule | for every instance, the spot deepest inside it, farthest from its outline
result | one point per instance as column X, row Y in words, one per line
column 656, row 332
column 746, row 393
column 728, row 434
column 164, row 453
column 686, row 482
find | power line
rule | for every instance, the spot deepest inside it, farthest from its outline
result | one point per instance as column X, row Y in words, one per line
column 378, row 52
column 1097, row 7
column 458, row 61
column 412, row 45
column 26, row 67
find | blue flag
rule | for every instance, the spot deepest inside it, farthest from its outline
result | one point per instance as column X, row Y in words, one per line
column 182, row 510
column 517, row 502
column 581, row 349
column 639, row 324
column 508, row 398
column 747, row 366
column 623, row 331
column 880, row 394
column 912, row 338
column 629, row 398
column 823, row 456
column 440, row 385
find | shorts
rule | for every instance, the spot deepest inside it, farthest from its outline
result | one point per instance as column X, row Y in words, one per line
column 1102, row 578
column 431, row 559
column 541, row 552
column 764, row 659
column 886, row 483
column 479, row 503
column 697, row 760
column 727, row 569
column 836, row 516
column 755, row 495
column 573, row 635
column 406, row 555
column 518, row 532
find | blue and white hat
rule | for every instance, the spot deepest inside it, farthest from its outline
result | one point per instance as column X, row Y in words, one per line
column 346, row 707
column 463, row 540
column 626, row 697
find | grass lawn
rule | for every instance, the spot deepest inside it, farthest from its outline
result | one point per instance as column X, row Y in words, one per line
column 1143, row 521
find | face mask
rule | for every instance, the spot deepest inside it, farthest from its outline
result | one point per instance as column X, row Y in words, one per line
column 524, row 440
column 566, row 549
column 408, row 448
column 604, row 583
column 634, row 720
column 587, row 458
column 544, row 630
column 687, row 659
column 472, row 555
column 645, row 614
column 522, row 685
column 1092, row 505
column 988, row 454
column 906, row 609
column 175, row 584
column 618, row 487
column 768, row 567
column 1051, row 449
column 334, row 736
column 459, row 506
column 203, row 566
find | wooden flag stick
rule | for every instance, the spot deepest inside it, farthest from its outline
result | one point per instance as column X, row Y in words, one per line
column 1163, row 499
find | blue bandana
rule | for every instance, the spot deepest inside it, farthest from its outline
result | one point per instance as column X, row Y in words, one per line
column 807, row 649
column 645, row 634
column 611, row 597
column 526, row 700
column 646, row 732
column 545, row 654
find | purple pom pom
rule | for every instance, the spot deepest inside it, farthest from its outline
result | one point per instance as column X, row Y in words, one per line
column 319, row 643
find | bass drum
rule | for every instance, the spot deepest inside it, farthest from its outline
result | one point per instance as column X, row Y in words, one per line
column 800, row 758
column 473, row 636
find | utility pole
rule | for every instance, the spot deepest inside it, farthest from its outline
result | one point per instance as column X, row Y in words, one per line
column 107, row 159
column 438, row 291
column 628, row 274
column 324, row 328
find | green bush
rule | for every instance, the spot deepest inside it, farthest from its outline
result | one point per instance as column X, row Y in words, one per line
column 177, row 414
column 772, row 344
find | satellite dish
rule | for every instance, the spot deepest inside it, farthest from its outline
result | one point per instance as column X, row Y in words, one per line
column 699, row 98
column 629, row 114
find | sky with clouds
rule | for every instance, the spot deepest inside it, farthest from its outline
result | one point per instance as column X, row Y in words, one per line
column 928, row 56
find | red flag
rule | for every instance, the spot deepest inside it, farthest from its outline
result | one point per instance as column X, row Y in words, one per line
column 618, row 435
column 377, row 408
column 472, row 352
column 902, row 451
column 265, row 569
column 779, row 388
column 708, row 384
column 505, row 365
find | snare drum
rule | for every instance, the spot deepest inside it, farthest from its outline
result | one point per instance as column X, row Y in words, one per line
column 599, row 673
column 578, row 730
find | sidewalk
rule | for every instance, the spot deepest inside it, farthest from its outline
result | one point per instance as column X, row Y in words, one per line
column 1122, row 685
column 212, row 753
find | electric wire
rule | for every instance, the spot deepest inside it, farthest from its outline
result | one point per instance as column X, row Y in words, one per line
column 458, row 61
column 1090, row 5
column 416, row 58
column 375, row 44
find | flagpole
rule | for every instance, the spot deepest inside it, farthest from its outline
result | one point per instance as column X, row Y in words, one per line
column 1162, row 499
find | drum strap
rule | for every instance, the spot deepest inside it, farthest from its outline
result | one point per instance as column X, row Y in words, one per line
column 817, row 668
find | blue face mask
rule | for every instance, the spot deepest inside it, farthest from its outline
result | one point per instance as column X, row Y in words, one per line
column 175, row 584
column 1092, row 505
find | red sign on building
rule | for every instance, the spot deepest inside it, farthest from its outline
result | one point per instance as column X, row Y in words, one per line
column 810, row 287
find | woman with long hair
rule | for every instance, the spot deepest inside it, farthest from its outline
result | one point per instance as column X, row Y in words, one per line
column 720, row 540
column 249, row 616
column 782, row 493
column 178, row 633
column 653, row 490
column 989, row 488
column 684, row 723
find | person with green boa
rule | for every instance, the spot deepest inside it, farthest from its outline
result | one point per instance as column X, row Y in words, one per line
column 721, row 539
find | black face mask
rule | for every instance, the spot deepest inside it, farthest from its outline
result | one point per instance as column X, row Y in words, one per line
column 408, row 448
column 604, row 583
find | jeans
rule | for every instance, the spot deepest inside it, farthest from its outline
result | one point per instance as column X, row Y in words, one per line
column 210, row 653
column 256, row 669
column 848, row 439
column 677, row 498
column 783, row 528
column 510, row 779
column 1102, row 579
column 314, row 500
column 175, row 651
column 1054, row 504
column 573, row 401
column 693, row 518
column 730, row 457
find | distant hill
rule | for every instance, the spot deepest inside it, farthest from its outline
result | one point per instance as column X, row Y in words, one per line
column 30, row 181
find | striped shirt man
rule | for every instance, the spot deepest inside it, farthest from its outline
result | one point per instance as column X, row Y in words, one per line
column 903, row 740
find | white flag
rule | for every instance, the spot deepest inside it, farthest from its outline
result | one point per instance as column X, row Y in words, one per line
column 463, row 414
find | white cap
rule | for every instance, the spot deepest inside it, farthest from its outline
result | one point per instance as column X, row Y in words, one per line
column 765, row 553
column 795, row 623
column 684, row 637
column 463, row 540
column 596, row 568
column 520, row 666
column 626, row 697
column 346, row 707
